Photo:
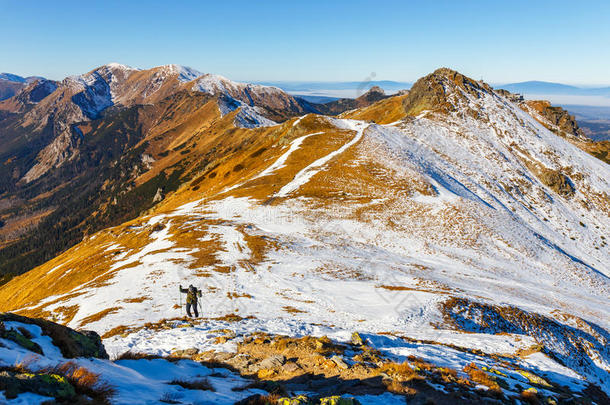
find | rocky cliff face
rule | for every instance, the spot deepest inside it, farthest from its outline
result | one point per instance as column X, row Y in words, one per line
column 562, row 123
column 555, row 118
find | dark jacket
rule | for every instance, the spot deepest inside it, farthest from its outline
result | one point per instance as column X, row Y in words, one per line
column 191, row 294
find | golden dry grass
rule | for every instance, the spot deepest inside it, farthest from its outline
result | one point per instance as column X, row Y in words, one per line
column 84, row 381
column 481, row 377
column 98, row 316
column 292, row 310
column 87, row 262
column 382, row 112
column 399, row 371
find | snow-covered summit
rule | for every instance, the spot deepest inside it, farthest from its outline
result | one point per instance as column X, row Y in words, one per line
column 118, row 66
column 185, row 73
column 217, row 84
column 9, row 77
column 273, row 100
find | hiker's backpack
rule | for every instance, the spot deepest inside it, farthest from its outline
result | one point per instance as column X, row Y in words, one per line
column 191, row 296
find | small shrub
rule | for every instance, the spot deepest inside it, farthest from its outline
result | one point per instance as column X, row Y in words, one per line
column 481, row 377
column 201, row 384
column 24, row 366
column 398, row 387
column 137, row 356
column 26, row 333
column 529, row 397
column 448, row 375
column 271, row 399
column 399, row 371
column 84, row 381
column 420, row 364
column 170, row 398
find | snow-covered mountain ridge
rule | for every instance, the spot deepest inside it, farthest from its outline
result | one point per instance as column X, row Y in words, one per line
column 87, row 97
column 451, row 225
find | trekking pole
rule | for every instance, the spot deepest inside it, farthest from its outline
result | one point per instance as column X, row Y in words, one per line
column 180, row 293
column 199, row 302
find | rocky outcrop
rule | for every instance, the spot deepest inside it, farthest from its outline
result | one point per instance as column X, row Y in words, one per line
column 52, row 385
column 435, row 92
column 564, row 124
column 52, row 156
column 515, row 98
column 72, row 344
column 554, row 118
column 582, row 348
column 556, row 181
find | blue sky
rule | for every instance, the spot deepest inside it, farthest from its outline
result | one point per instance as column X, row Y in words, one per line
column 499, row 41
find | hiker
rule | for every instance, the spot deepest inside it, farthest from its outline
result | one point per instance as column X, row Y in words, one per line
column 191, row 299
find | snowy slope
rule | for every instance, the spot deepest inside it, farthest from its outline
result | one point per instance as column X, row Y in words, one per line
column 256, row 101
column 216, row 84
column 247, row 116
column 359, row 226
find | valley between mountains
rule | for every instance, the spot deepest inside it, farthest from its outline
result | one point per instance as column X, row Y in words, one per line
column 446, row 244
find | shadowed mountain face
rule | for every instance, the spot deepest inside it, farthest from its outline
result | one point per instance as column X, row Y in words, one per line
column 449, row 214
column 11, row 84
column 8, row 89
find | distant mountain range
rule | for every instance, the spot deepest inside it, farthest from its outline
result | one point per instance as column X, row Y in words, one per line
column 11, row 84
column 558, row 93
column 323, row 92
column 539, row 87
column 18, row 79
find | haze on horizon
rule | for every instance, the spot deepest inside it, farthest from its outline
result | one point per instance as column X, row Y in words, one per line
column 556, row 41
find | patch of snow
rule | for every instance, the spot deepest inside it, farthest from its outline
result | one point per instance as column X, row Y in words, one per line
column 27, row 398
column 280, row 162
column 247, row 116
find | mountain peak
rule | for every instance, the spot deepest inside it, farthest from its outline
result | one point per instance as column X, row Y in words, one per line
column 375, row 90
column 110, row 69
column 433, row 92
column 185, row 73
column 115, row 65
column 374, row 94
